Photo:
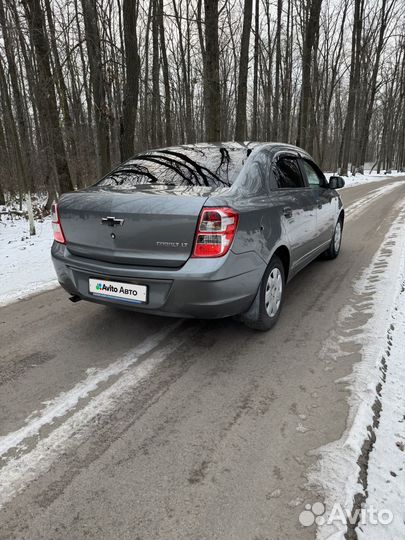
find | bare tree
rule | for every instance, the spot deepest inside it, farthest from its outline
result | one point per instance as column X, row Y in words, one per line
column 98, row 83
column 372, row 83
column 46, row 97
column 240, row 128
column 87, row 83
column 310, row 36
column 166, row 77
column 211, row 72
column 276, row 99
column 346, row 144
column 132, row 77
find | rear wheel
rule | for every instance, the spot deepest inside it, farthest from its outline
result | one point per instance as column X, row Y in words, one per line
column 333, row 250
column 269, row 299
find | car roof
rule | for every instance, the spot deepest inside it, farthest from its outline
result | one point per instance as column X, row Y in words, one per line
column 274, row 147
column 206, row 164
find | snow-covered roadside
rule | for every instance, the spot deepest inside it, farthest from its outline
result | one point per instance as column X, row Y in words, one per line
column 364, row 471
column 26, row 265
column 386, row 471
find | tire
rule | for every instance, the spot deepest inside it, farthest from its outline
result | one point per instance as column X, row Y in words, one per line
column 333, row 250
column 266, row 308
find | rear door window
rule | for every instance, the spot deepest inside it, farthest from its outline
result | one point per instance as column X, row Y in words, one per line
column 287, row 173
column 314, row 177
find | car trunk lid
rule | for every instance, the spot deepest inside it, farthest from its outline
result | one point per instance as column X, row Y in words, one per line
column 142, row 226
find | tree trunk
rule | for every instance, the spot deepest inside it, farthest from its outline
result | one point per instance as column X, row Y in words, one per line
column 16, row 158
column 47, row 105
column 63, row 96
column 185, row 67
column 30, row 213
column 353, row 87
column 240, row 126
column 27, row 176
column 372, row 84
column 92, row 35
column 256, row 72
column 287, row 82
column 166, row 79
column 212, row 89
column 276, row 100
column 157, row 133
column 311, row 31
column 145, row 117
column 132, row 74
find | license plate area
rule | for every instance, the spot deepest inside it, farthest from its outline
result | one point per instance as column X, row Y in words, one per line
column 117, row 290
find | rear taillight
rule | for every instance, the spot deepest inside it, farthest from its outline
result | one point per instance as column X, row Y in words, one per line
column 215, row 231
column 58, row 235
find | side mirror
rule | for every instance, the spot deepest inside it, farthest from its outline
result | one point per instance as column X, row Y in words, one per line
column 336, row 182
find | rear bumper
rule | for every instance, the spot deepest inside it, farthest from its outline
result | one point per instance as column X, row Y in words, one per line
column 202, row 288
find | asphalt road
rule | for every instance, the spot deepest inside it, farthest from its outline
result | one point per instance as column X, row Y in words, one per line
column 204, row 430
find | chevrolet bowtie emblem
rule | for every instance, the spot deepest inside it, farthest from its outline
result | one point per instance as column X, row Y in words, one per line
column 111, row 221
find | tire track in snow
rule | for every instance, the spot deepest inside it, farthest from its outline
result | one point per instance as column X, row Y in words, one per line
column 359, row 206
column 19, row 471
column 66, row 401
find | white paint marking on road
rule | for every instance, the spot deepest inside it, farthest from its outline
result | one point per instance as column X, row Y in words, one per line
column 66, row 401
column 356, row 208
column 19, row 472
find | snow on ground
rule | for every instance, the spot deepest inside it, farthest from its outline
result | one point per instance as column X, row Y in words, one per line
column 386, row 471
column 26, row 265
column 363, row 473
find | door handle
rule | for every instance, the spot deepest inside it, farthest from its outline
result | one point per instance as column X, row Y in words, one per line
column 287, row 212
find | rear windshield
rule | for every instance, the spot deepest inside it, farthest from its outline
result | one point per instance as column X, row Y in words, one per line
column 196, row 165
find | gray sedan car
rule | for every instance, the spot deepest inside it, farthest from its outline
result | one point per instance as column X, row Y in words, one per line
column 202, row 230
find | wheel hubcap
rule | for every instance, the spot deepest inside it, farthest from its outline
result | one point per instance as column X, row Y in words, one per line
column 338, row 236
column 274, row 291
